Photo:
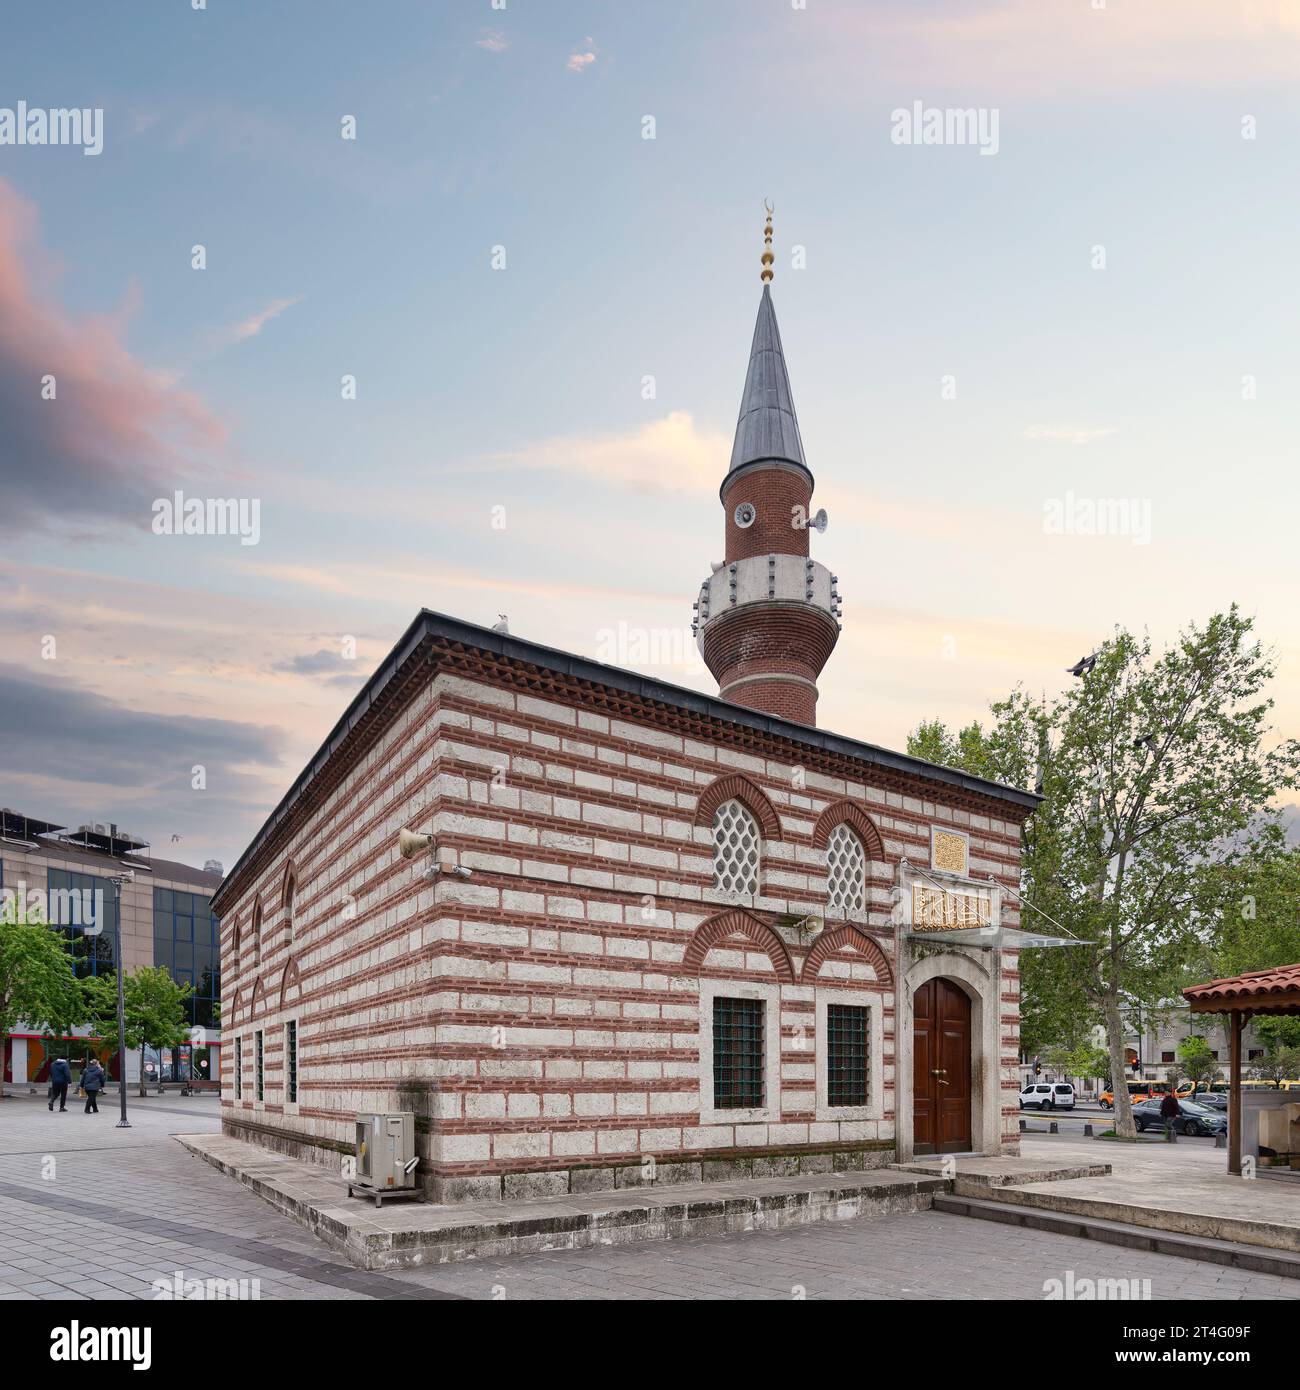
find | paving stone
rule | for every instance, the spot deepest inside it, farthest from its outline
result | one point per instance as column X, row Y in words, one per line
column 120, row 1215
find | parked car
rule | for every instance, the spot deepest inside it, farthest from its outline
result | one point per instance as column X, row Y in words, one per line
column 1215, row 1100
column 1047, row 1095
column 1195, row 1118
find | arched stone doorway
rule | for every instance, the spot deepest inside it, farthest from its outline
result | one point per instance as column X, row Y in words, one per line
column 941, row 1046
column 983, row 1093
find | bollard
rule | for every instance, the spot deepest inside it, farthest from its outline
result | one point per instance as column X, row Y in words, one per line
column 1220, row 1141
column 1052, row 1129
column 1023, row 1126
column 1087, row 1131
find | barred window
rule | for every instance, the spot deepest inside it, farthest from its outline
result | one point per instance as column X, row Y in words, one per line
column 735, row 849
column 257, row 1065
column 846, row 873
column 239, row 1068
column 291, row 1060
column 738, row 1054
column 847, row 1055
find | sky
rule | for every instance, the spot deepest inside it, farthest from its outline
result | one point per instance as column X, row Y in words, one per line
column 545, row 316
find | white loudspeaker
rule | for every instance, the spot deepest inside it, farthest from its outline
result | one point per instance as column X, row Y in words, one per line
column 411, row 842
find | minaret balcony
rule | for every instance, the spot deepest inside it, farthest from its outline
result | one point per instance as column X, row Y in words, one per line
column 761, row 579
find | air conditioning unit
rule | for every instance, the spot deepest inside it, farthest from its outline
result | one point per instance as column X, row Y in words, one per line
column 385, row 1159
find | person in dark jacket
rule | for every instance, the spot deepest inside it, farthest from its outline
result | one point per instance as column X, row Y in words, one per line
column 92, row 1082
column 60, row 1080
column 1170, row 1111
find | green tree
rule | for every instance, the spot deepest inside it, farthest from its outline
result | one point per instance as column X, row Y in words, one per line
column 969, row 749
column 1195, row 1060
column 1261, row 913
column 1158, row 787
column 156, row 1009
column 1279, row 1063
column 37, row 984
column 1083, row 1060
column 1280, row 1031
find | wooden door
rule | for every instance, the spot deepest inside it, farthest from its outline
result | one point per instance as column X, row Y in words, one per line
column 941, row 1099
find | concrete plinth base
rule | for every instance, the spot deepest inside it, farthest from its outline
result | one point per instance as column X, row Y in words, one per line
column 390, row 1238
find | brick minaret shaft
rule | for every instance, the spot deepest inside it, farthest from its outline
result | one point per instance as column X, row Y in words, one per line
column 768, row 618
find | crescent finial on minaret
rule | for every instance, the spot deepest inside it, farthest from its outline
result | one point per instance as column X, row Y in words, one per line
column 768, row 258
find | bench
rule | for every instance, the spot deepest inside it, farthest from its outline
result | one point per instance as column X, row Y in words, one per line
column 199, row 1087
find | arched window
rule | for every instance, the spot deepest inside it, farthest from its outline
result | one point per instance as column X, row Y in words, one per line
column 255, row 934
column 735, row 849
column 846, row 874
column 290, row 887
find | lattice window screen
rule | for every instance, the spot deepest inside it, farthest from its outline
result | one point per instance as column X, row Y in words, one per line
column 846, row 873
column 735, row 849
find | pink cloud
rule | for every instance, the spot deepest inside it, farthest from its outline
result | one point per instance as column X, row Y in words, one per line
column 90, row 431
column 253, row 325
column 582, row 57
column 1011, row 48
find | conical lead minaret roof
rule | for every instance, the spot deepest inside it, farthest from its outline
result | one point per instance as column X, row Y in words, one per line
column 768, row 427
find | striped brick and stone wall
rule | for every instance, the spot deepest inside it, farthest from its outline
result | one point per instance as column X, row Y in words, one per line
column 546, row 1018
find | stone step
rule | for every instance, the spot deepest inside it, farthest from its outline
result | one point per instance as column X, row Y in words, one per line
column 1011, row 1212
column 971, row 1175
column 1266, row 1223
column 413, row 1234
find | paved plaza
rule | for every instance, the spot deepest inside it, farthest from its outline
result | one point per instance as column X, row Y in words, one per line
column 90, row 1211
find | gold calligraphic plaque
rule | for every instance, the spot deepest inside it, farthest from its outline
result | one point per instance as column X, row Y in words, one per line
column 935, row 909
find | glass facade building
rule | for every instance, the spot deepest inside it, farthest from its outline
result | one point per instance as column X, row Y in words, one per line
column 83, row 909
column 186, row 942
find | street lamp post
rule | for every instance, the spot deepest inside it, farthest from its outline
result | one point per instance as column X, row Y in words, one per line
column 117, row 881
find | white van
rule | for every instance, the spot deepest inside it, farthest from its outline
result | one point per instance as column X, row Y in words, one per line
column 1047, row 1095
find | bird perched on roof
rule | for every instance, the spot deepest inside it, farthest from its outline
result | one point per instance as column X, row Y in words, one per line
column 502, row 624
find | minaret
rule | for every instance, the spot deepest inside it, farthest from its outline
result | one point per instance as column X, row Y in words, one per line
column 768, row 618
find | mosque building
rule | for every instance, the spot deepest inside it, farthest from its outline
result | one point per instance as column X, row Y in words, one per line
column 655, row 935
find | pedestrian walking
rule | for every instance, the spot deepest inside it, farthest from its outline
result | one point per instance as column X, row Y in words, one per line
column 60, row 1080
column 92, row 1080
column 1170, row 1111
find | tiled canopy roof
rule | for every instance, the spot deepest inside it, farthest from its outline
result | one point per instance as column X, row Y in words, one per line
column 1261, row 991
